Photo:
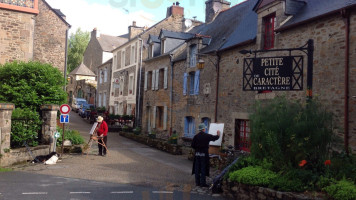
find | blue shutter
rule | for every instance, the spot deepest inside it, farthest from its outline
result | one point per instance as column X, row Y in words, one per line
column 185, row 78
column 186, row 126
column 196, row 82
column 193, row 128
column 206, row 122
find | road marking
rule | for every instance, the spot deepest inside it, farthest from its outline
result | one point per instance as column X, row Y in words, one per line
column 122, row 192
column 162, row 192
column 34, row 193
column 79, row 192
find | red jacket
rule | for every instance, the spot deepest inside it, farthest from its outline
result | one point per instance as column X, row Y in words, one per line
column 103, row 129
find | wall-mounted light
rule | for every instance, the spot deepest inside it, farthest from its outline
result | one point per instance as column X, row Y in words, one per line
column 200, row 64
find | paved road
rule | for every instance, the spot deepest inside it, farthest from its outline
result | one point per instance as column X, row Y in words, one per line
column 128, row 164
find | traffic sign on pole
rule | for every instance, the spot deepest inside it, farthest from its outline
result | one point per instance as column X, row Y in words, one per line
column 65, row 109
column 64, row 119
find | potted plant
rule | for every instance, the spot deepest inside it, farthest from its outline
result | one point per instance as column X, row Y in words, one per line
column 137, row 130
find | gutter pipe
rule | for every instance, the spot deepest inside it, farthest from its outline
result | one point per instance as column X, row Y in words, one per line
column 138, row 117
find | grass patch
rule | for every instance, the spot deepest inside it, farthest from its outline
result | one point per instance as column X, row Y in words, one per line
column 5, row 169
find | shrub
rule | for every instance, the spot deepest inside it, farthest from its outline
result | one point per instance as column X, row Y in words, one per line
column 343, row 165
column 32, row 84
column 253, row 175
column 343, row 190
column 72, row 135
column 287, row 132
column 25, row 125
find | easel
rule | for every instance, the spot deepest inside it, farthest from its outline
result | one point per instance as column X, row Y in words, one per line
column 94, row 139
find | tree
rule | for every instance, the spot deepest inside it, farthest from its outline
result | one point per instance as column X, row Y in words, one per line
column 30, row 85
column 78, row 42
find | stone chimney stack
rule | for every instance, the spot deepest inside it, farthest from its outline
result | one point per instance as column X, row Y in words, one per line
column 134, row 30
column 213, row 7
column 93, row 33
column 175, row 9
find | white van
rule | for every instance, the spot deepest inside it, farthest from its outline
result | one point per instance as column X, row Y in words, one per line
column 76, row 103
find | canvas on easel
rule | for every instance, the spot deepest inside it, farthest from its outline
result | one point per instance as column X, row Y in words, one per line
column 93, row 128
column 213, row 128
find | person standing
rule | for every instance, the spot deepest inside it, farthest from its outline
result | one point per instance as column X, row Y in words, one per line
column 201, row 163
column 102, row 133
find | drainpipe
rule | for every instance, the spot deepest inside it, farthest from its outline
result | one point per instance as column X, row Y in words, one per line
column 138, row 117
column 346, row 15
column 65, row 61
column 171, row 93
column 217, row 85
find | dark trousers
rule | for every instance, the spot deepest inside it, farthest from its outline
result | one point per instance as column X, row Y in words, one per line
column 102, row 150
column 200, row 170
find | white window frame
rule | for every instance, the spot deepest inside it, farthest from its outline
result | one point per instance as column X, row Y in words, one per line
column 131, row 84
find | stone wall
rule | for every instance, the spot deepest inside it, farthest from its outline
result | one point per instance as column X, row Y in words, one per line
column 16, row 36
column 21, row 155
column 248, row 192
column 50, row 37
column 93, row 55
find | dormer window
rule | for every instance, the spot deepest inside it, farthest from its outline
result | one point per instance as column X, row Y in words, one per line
column 163, row 46
column 193, row 50
column 269, row 27
column 151, row 50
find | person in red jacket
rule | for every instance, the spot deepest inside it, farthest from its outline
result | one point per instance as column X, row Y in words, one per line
column 102, row 132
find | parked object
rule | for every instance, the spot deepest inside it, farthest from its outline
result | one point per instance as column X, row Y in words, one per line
column 84, row 108
column 77, row 102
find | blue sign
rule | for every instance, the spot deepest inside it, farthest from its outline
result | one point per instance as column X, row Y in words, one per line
column 64, row 119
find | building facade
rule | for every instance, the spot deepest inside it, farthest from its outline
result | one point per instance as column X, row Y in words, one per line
column 33, row 31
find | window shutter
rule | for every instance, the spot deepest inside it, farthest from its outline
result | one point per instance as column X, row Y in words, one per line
column 154, row 117
column 157, row 79
column 146, row 76
column 193, row 129
column 186, row 126
column 196, row 82
column 165, row 78
column 153, row 79
column 165, row 118
column 185, row 78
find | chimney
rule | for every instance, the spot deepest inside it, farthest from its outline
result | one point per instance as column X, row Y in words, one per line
column 134, row 30
column 175, row 9
column 213, row 7
column 93, row 33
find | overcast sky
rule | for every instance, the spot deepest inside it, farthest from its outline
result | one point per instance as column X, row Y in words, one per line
column 112, row 17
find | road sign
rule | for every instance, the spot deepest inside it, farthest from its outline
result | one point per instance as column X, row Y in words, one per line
column 65, row 109
column 57, row 135
column 64, row 119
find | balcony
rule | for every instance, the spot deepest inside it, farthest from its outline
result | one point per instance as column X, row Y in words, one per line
column 28, row 6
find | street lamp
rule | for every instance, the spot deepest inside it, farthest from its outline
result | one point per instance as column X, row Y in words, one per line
column 201, row 64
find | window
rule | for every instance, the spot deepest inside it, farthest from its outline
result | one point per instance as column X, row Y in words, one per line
column 129, row 109
column 123, row 58
column 100, row 100
column 131, row 84
column 148, row 80
column 105, row 75
column 133, row 54
column 101, row 76
column 163, row 47
column 269, row 26
column 127, row 55
column 189, row 127
column 118, row 62
column 193, row 79
column 161, row 79
column 151, row 51
column 121, row 89
column 206, row 121
column 104, row 99
column 193, row 55
column 242, row 135
column 159, row 117
column 80, row 93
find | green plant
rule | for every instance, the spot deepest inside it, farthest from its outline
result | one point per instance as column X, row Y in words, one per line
column 72, row 135
column 31, row 84
column 286, row 132
column 137, row 130
column 253, row 175
column 343, row 190
column 6, row 150
column 25, row 125
column 5, row 169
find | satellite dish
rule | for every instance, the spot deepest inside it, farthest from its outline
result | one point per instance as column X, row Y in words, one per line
column 188, row 23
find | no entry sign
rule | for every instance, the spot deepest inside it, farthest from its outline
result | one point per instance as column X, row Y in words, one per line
column 64, row 109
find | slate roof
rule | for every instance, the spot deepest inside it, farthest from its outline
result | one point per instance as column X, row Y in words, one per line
column 316, row 8
column 109, row 43
column 82, row 70
column 233, row 26
column 174, row 34
column 153, row 38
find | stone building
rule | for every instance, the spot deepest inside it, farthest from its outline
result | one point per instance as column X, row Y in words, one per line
column 128, row 68
column 82, row 84
column 33, row 30
column 97, row 55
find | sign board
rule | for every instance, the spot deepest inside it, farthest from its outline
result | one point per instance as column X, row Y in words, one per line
column 213, row 128
column 282, row 73
column 93, row 128
column 64, row 109
column 64, row 119
column 57, row 135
